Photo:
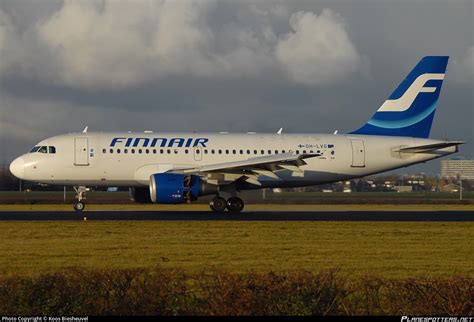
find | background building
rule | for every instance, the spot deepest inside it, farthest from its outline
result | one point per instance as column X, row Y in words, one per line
column 453, row 168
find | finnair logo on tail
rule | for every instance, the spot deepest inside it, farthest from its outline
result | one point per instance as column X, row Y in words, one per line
column 404, row 102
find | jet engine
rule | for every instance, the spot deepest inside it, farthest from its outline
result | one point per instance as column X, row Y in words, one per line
column 173, row 188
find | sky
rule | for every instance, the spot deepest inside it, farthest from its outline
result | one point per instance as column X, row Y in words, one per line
column 227, row 65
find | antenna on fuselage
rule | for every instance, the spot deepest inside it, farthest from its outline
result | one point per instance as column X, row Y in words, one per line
column 85, row 129
column 280, row 131
column 335, row 132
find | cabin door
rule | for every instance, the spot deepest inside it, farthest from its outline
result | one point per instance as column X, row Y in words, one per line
column 358, row 153
column 81, row 151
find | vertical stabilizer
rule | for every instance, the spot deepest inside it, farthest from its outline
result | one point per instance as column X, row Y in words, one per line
column 410, row 110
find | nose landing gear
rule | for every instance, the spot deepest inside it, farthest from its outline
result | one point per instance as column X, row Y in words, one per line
column 79, row 206
column 80, row 196
column 233, row 204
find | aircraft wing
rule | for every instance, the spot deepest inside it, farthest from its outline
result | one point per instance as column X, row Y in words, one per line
column 249, row 170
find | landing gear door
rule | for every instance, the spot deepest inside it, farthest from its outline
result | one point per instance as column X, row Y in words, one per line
column 81, row 151
column 358, row 153
column 197, row 154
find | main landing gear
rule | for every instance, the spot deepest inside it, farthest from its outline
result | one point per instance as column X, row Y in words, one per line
column 233, row 204
column 80, row 196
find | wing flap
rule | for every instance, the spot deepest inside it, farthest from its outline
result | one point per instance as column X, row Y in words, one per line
column 265, row 163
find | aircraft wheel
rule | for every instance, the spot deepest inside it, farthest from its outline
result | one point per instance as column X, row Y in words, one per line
column 79, row 206
column 235, row 204
column 218, row 204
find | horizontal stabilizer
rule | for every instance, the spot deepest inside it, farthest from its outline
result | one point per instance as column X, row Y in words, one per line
column 430, row 147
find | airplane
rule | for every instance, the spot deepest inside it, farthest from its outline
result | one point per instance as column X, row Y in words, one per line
column 174, row 168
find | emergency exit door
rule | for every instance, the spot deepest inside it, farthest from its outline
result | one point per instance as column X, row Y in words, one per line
column 358, row 153
column 81, row 151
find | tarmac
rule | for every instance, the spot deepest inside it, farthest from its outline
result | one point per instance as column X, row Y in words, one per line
column 441, row 216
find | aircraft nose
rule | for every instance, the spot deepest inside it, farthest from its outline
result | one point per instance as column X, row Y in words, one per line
column 17, row 167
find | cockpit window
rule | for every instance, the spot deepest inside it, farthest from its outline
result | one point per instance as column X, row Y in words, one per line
column 43, row 149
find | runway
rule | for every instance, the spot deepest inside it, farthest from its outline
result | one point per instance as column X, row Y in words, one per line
column 442, row 216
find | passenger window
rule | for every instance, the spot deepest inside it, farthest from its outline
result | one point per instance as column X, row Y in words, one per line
column 248, row 151
column 147, row 151
column 111, row 150
column 154, row 151
column 213, row 151
column 133, row 151
column 104, row 151
column 226, row 151
column 241, row 151
column 140, row 151
column 262, row 152
column 220, row 151
column 276, row 151
column 175, row 151
column 118, row 150
column 43, row 149
column 269, row 151
column 125, row 151
column 254, row 151
column 186, row 151
column 205, row 151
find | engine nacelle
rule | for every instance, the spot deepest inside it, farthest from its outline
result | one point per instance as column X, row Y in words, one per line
column 172, row 188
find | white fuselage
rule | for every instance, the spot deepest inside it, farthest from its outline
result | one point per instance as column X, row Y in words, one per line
column 88, row 159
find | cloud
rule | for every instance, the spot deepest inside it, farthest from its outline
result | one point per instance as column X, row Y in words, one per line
column 5, row 31
column 463, row 67
column 117, row 44
column 469, row 61
column 215, row 65
column 319, row 50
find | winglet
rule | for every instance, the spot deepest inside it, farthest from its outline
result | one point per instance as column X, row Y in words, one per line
column 85, row 129
column 280, row 131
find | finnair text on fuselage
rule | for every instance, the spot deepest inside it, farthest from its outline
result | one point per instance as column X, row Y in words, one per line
column 159, row 142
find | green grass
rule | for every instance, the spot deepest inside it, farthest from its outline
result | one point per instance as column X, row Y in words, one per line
column 385, row 249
